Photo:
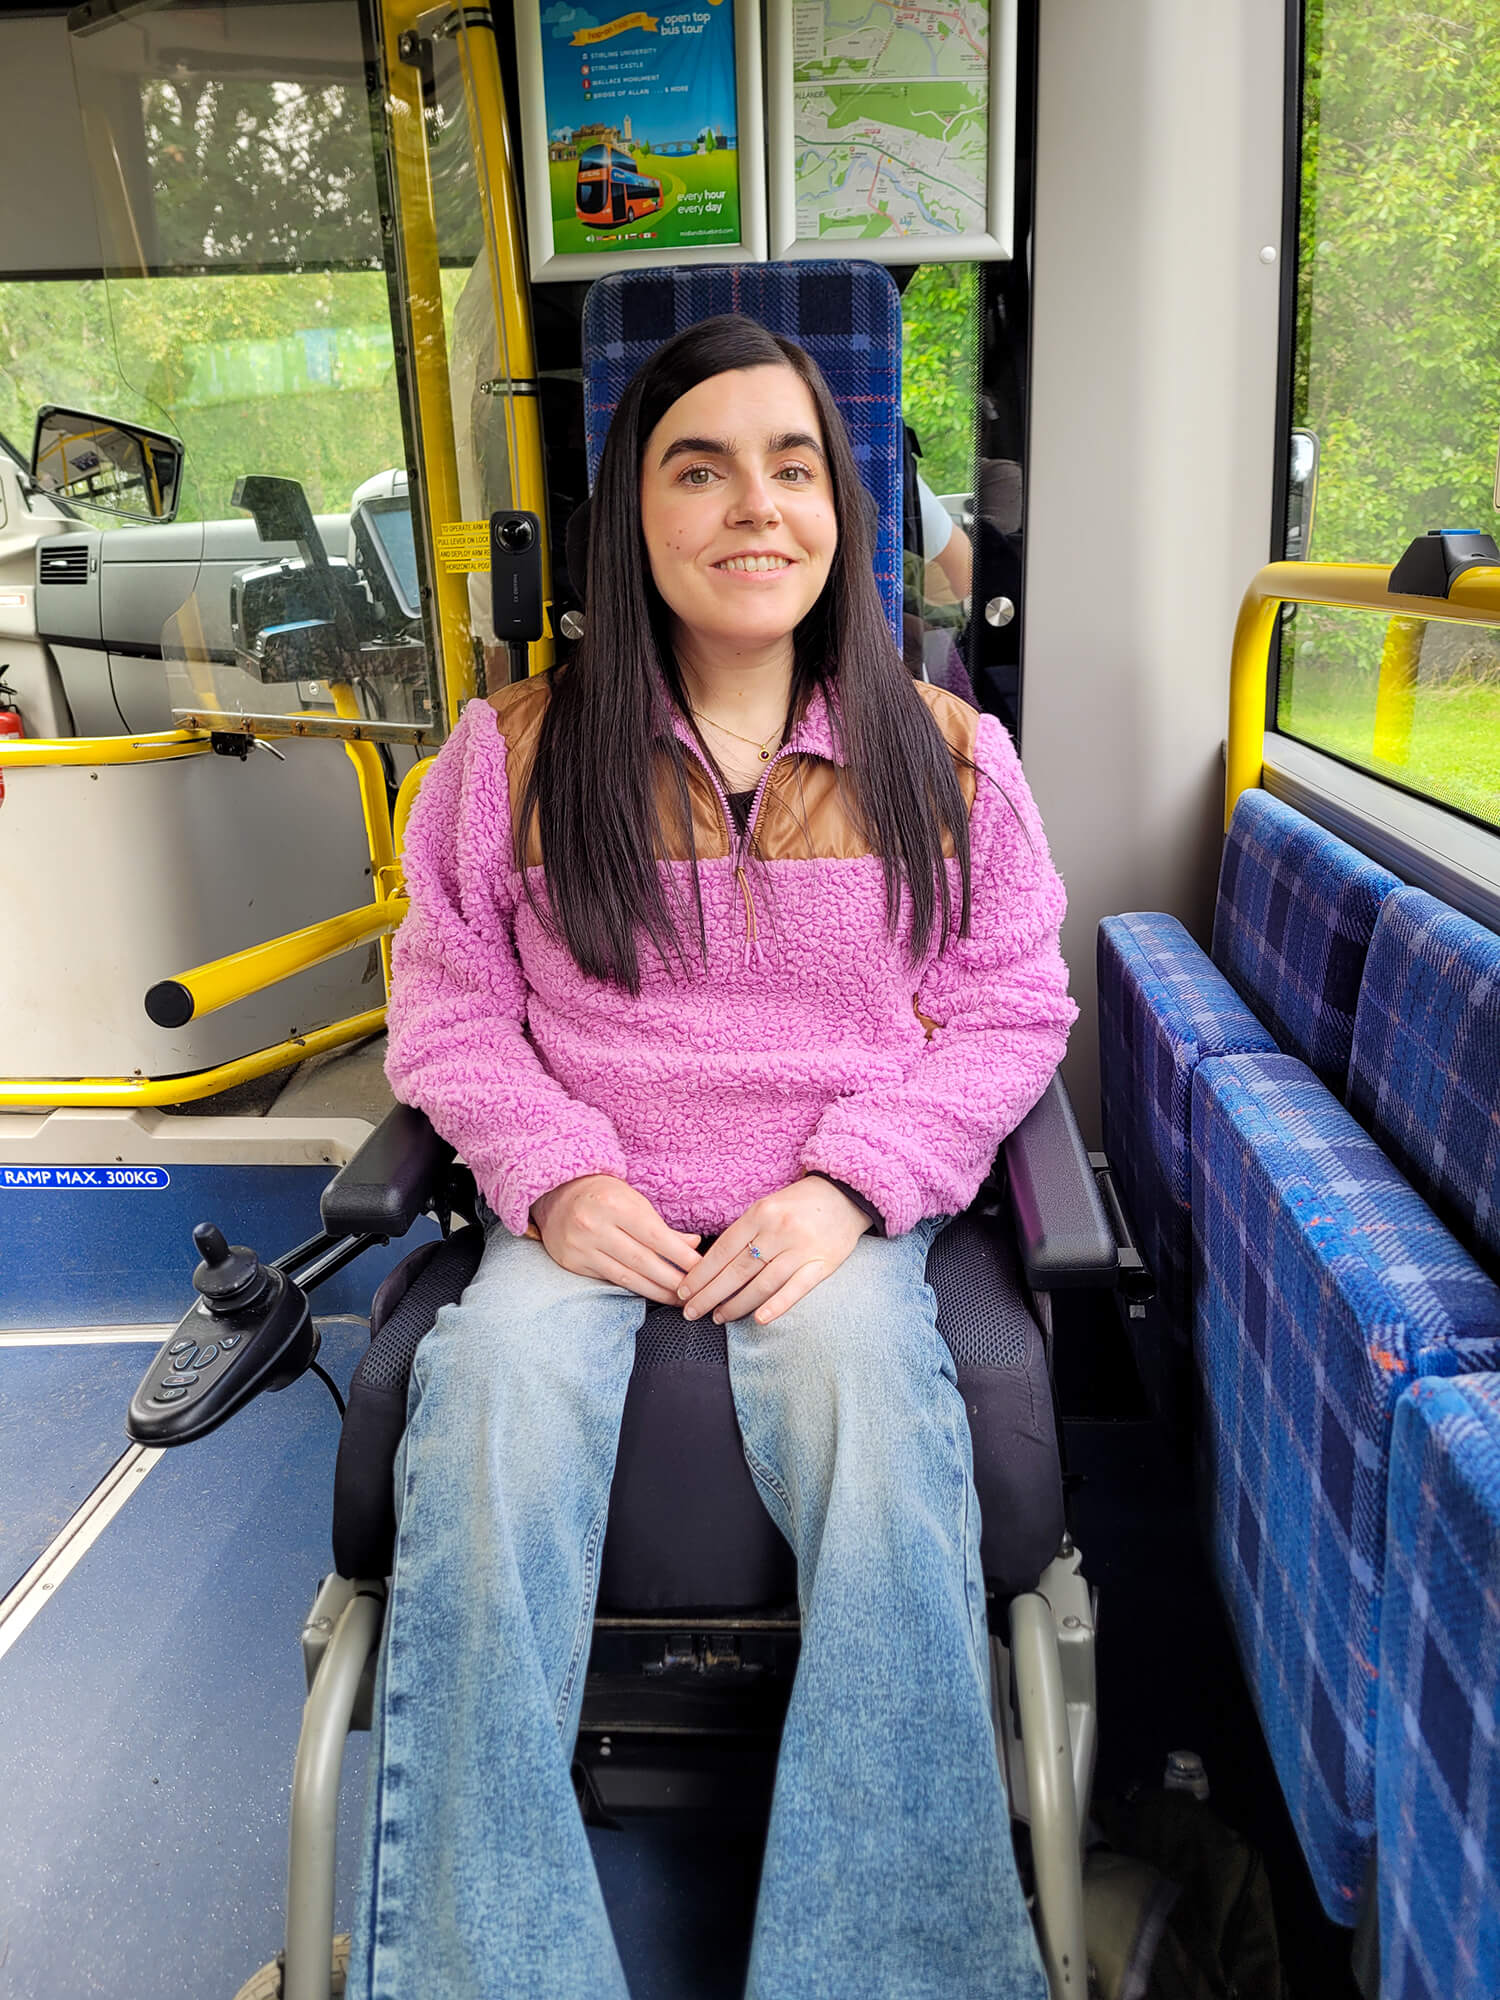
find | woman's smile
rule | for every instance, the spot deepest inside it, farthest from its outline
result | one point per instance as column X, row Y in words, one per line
column 757, row 565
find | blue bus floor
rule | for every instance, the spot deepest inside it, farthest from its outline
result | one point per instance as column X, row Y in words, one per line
column 151, row 1711
column 62, row 1426
column 152, row 1708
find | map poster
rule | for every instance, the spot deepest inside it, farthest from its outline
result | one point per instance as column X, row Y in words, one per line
column 892, row 128
column 634, row 137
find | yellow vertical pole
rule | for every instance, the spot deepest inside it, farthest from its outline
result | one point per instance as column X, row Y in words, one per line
column 1396, row 690
column 495, row 167
column 375, row 804
column 421, row 272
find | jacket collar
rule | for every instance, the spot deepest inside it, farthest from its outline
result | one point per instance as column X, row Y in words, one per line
column 812, row 737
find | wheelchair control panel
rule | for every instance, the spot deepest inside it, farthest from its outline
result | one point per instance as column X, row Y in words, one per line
column 250, row 1329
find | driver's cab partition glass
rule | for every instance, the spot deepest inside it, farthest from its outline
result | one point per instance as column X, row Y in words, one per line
column 246, row 312
column 939, row 390
column 1396, row 386
column 964, row 397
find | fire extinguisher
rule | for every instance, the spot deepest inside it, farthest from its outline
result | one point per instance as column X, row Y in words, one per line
column 10, row 724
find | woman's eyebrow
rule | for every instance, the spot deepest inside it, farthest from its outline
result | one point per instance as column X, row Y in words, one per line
column 696, row 447
column 794, row 441
column 706, row 447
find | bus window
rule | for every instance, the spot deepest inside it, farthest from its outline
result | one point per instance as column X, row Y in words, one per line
column 1397, row 376
column 246, row 312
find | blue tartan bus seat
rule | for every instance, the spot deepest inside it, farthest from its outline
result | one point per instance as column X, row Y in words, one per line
column 1292, row 923
column 1437, row 1738
column 1340, row 1255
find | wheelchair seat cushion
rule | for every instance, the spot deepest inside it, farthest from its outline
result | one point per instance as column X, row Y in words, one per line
column 687, row 1530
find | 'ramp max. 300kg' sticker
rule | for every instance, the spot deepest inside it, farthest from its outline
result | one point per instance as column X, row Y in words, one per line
column 85, row 1177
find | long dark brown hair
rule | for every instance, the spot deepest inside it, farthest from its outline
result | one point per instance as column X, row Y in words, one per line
column 594, row 785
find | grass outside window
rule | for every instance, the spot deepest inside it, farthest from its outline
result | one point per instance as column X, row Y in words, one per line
column 1414, row 702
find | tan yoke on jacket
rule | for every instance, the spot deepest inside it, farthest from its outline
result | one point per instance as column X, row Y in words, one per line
column 803, row 813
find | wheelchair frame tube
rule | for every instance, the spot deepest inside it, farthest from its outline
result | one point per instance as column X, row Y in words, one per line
column 1055, row 1848
column 315, row 1798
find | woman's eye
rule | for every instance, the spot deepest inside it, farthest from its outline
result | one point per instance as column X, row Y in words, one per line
column 796, row 475
column 695, row 475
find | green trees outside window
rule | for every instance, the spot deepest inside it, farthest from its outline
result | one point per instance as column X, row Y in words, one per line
column 1398, row 374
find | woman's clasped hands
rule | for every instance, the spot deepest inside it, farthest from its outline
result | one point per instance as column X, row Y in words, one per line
column 601, row 1227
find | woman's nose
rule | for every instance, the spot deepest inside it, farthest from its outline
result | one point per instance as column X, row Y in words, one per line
column 755, row 499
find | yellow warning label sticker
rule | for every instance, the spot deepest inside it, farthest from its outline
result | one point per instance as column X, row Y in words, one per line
column 463, row 546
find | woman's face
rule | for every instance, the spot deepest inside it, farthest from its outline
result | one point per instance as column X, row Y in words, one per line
column 737, row 507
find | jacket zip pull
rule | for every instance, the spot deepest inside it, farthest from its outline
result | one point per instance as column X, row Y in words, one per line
column 752, row 929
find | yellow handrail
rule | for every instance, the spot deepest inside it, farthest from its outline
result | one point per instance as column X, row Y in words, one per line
column 108, row 1092
column 188, row 996
column 421, row 272
column 406, row 798
column 374, row 799
column 1474, row 600
column 490, row 129
column 22, row 752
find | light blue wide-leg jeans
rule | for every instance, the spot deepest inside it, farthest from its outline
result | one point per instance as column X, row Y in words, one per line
column 888, row 1871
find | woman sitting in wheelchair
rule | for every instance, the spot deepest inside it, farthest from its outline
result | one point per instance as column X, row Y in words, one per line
column 732, row 956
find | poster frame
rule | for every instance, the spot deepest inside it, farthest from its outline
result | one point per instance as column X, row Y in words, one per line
column 994, row 244
column 548, row 265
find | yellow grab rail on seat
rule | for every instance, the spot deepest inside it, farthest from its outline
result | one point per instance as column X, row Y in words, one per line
column 1474, row 600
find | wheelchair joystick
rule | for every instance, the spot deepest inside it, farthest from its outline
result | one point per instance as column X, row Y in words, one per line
column 229, row 1278
column 249, row 1329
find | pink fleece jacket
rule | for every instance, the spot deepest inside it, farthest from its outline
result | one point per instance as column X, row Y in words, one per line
column 801, row 1055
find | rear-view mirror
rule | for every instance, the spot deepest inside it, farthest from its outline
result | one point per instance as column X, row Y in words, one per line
column 94, row 461
column 1301, row 493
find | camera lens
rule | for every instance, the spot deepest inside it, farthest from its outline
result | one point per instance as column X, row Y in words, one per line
column 516, row 535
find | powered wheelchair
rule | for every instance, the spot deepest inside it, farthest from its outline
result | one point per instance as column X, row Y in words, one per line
column 696, row 1629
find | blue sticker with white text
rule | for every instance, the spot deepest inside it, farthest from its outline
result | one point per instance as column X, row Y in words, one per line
column 85, row 1177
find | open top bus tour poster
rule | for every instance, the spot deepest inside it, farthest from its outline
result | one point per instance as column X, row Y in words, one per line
column 642, row 135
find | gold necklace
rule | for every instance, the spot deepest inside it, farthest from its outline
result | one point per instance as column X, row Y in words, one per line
column 759, row 748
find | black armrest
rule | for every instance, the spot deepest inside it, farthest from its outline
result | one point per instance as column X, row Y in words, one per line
column 1062, row 1229
column 390, row 1180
